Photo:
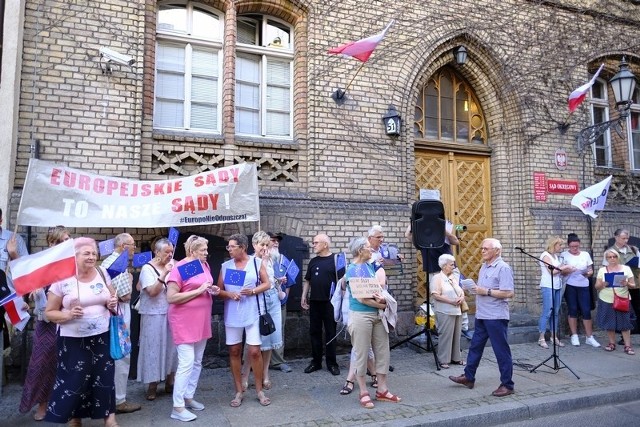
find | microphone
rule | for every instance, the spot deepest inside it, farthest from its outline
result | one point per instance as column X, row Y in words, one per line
column 518, row 248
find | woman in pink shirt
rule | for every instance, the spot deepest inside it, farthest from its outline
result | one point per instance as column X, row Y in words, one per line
column 190, row 320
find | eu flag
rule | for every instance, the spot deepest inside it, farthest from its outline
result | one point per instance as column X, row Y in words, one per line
column 107, row 247
column 119, row 266
column 141, row 259
column 234, row 277
column 341, row 261
column 281, row 269
column 190, row 269
column 173, row 236
column 292, row 271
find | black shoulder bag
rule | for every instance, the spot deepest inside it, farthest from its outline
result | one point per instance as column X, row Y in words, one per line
column 265, row 321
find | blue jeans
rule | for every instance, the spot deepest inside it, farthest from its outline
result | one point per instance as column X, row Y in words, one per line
column 496, row 331
column 545, row 314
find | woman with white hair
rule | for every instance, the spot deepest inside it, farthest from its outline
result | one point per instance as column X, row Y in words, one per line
column 447, row 301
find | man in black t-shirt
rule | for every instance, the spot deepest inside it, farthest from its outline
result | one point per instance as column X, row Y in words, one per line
column 316, row 297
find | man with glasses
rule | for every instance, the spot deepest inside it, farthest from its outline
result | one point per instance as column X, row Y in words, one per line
column 12, row 246
column 316, row 297
column 493, row 291
column 123, row 284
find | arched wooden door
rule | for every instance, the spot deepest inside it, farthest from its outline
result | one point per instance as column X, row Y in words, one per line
column 464, row 184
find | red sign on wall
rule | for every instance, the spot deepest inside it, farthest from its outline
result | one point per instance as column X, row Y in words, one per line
column 539, row 187
column 562, row 186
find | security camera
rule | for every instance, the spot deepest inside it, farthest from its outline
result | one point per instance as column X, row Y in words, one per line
column 114, row 57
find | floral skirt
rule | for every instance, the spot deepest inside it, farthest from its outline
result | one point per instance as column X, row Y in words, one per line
column 84, row 384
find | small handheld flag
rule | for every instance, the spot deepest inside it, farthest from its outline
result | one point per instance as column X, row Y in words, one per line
column 119, row 266
column 190, row 269
column 292, row 271
column 592, row 198
column 234, row 277
column 106, row 247
column 173, row 236
column 141, row 259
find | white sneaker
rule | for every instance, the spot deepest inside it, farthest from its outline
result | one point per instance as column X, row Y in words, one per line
column 194, row 405
column 575, row 340
column 592, row 342
column 185, row 415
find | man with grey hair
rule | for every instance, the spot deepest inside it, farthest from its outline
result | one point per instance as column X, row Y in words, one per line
column 321, row 274
column 493, row 291
column 123, row 284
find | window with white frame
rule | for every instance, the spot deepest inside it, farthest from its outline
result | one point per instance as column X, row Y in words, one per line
column 599, row 114
column 188, row 67
column 264, row 77
column 633, row 125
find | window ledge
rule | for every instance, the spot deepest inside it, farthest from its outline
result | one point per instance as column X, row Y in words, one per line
column 257, row 141
column 186, row 136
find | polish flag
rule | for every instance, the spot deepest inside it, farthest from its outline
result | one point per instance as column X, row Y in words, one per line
column 578, row 95
column 16, row 313
column 361, row 49
column 39, row 270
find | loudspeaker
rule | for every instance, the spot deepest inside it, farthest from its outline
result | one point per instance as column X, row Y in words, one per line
column 428, row 224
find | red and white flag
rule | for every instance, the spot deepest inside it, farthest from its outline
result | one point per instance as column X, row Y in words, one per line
column 578, row 95
column 361, row 49
column 39, row 270
column 16, row 313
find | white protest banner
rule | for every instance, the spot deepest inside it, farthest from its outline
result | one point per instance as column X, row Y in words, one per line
column 364, row 287
column 55, row 194
column 592, row 198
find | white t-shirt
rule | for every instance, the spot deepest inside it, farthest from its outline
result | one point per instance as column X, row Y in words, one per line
column 545, row 274
column 149, row 304
column 581, row 262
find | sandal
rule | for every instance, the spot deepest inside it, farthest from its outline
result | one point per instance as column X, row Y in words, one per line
column 168, row 388
column 542, row 343
column 610, row 347
column 151, row 391
column 264, row 400
column 559, row 343
column 266, row 385
column 365, row 400
column 444, row 366
column 347, row 388
column 629, row 350
column 237, row 401
column 387, row 396
column 374, row 381
column 459, row 362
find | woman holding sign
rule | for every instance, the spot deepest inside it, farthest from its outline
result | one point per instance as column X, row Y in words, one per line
column 613, row 282
column 242, row 278
column 189, row 290
column 365, row 324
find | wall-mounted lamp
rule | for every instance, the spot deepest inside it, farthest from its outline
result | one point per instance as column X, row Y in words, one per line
column 392, row 121
column 460, row 53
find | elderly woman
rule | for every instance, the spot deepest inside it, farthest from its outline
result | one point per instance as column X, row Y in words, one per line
column 609, row 319
column 189, row 298
column 241, row 279
column 84, row 385
column 42, row 364
column 157, row 358
column 366, row 327
column 447, row 301
column 262, row 244
column 577, row 292
column 551, row 289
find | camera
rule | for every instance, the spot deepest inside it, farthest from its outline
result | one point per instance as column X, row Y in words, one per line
column 461, row 227
column 113, row 57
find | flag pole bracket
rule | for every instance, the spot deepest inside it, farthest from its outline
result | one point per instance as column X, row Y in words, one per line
column 339, row 96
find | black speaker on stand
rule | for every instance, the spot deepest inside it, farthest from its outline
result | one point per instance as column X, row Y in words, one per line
column 428, row 232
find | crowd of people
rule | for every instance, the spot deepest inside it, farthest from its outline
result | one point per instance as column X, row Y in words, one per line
column 72, row 376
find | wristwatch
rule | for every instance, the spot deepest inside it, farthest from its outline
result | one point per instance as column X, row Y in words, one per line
column 489, row 292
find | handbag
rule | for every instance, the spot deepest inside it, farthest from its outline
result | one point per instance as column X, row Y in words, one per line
column 120, row 341
column 266, row 323
column 620, row 304
column 464, row 307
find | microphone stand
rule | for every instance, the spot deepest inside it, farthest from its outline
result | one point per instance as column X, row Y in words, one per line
column 557, row 362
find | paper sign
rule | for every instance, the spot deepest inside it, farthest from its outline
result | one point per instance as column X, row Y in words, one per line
column 614, row 280
column 364, row 287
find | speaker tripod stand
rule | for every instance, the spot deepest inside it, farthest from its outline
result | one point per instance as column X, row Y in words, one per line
column 557, row 362
column 426, row 330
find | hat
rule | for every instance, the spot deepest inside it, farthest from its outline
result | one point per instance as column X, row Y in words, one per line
column 278, row 236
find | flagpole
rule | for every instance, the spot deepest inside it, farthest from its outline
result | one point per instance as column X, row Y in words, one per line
column 338, row 95
column 354, row 76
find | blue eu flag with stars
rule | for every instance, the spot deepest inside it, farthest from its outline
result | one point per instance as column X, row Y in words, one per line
column 141, row 259
column 190, row 269
column 120, row 265
column 173, row 236
column 234, row 277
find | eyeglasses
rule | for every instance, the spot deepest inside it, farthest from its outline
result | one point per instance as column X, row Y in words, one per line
column 133, row 245
column 316, row 243
column 612, row 256
column 378, row 237
column 229, row 247
column 486, row 249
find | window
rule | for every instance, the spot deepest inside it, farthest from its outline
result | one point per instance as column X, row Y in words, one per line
column 264, row 72
column 633, row 124
column 188, row 67
column 448, row 111
column 599, row 114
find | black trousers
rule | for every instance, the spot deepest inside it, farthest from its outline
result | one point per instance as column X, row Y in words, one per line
column 635, row 304
column 321, row 315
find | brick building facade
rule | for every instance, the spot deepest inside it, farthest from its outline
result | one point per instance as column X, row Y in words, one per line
column 328, row 166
